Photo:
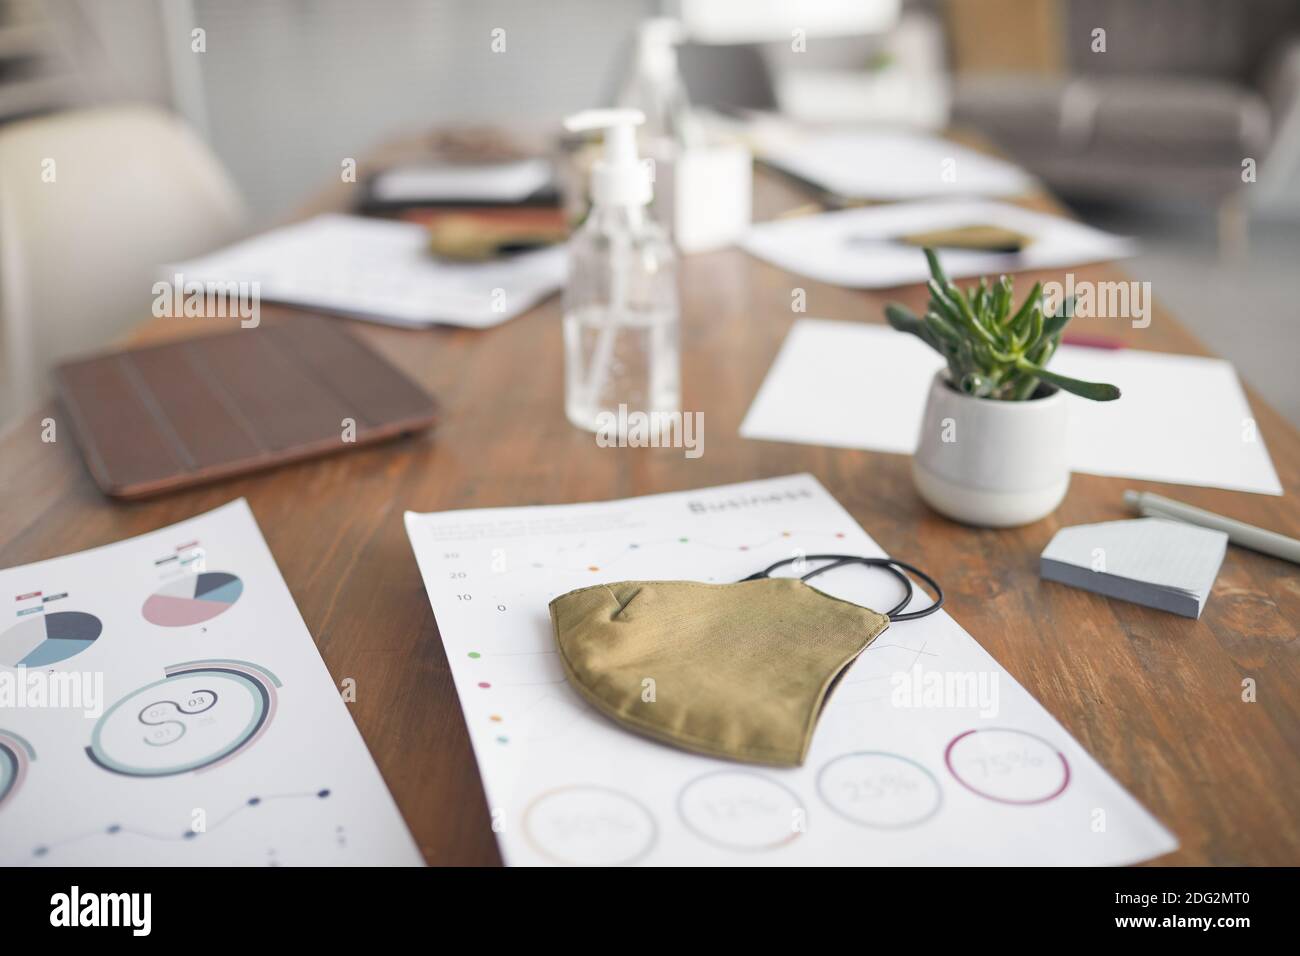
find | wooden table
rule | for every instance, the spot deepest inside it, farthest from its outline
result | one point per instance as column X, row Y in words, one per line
column 1157, row 699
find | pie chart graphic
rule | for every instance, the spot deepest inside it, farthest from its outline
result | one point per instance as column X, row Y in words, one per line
column 193, row 599
column 45, row 639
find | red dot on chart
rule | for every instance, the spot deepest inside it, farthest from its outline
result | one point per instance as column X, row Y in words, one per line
column 839, row 534
column 495, row 718
column 744, row 547
column 484, row 684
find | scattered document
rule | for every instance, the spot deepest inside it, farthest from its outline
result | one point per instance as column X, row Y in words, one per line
column 861, row 248
column 509, row 182
column 980, row 776
column 889, row 165
column 1181, row 419
column 1167, row 565
column 162, row 703
column 383, row 270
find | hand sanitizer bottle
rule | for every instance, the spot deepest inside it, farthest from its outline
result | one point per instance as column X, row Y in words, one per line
column 620, row 304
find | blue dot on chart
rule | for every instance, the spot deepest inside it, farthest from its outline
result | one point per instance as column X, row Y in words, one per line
column 41, row 851
column 322, row 794
column 115, row 828
column 254, row 801
column 188, row 835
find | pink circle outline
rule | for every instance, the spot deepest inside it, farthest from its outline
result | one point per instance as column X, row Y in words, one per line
column 1065, row 764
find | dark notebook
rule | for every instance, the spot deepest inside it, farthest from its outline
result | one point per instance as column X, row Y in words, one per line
column 168, row 416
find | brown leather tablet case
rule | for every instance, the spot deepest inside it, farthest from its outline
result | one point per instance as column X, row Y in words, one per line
column 169, row 416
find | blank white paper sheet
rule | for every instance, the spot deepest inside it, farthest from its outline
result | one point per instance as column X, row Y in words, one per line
column 857, row 248
column 892, row 777
column 1181, row 418
column 889, row 165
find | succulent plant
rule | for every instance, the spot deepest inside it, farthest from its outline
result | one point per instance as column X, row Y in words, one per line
column 993, row 352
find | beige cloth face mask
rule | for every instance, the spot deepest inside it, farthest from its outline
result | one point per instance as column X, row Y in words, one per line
column 740, row 671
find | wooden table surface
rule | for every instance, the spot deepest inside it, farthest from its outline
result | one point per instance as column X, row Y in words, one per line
column 1157, row 699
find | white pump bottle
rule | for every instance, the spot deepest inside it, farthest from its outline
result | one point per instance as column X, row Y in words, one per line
column 620, row 304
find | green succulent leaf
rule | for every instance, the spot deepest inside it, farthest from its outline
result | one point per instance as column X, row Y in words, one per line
column 1097, row 391
column 980, row 301
column 942, row 327
column 1044, row 350
column 900, row 317
column 1020, row 320
column 936, row 270
column 1035, row 326
column 903, row 319
column 1053, row 325
column 964, row 310
column 1026, row 385
column 1002, row 300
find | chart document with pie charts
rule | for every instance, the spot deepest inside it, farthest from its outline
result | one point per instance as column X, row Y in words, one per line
column 164, row 704
column 928, row 751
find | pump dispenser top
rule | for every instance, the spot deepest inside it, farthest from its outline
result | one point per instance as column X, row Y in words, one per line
column 620, row 177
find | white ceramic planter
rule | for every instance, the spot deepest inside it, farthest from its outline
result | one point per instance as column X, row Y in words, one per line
column 991, row 463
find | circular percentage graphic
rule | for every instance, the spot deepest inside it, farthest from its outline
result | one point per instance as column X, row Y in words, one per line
column 879, row 790
column 590, row 826
column 1008, row 766
column 200, row 715
column 15, row 755
column 741, row 810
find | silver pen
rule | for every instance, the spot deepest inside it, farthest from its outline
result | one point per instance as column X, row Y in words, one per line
column 1241, row 534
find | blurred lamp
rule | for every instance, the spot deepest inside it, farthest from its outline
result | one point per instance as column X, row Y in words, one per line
column 761, row 21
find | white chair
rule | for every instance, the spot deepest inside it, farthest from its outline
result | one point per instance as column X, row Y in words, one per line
column 91, row 204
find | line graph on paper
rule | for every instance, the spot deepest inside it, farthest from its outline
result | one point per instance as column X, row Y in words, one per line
column 260, row 835
column 594, row 556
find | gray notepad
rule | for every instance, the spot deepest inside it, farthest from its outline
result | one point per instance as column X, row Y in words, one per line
column 1168, row 565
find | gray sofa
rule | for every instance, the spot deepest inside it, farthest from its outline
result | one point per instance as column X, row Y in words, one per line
column 1185, row 91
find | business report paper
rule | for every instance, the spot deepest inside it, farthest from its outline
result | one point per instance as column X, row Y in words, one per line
column 164, row 704
column 984, row 775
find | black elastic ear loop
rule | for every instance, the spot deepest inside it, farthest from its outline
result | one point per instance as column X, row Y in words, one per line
column 891, row 565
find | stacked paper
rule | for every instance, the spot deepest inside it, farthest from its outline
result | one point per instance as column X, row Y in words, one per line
column 1167, row 565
